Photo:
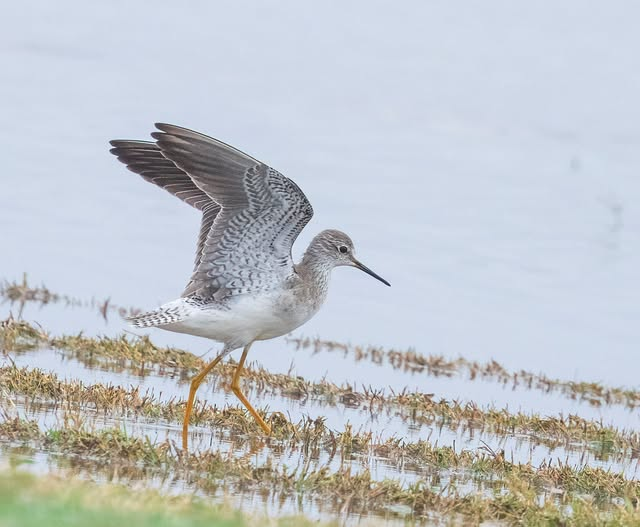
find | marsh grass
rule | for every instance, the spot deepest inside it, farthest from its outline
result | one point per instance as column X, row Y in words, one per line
column 307, row 436
column 21, row 293
column 17, row 335
column 408, row 360
column 461, row 486
column 412, row 361
column 138, row 355
column 517, row 501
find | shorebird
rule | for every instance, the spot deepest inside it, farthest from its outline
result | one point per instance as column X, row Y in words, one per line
column 245, row 285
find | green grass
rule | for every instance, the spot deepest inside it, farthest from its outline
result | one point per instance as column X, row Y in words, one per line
column 30, row 501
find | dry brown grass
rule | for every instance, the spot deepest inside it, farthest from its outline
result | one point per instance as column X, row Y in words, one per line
column 412, row 361
column 140, row 354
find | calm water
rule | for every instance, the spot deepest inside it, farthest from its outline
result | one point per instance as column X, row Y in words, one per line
column 517, row 447
column 484, row 157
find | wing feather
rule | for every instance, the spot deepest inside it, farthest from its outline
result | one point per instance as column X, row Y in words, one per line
column 145, row 158
column 248, row 247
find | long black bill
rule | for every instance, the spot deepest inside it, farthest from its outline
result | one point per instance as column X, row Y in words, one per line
column 370, row 272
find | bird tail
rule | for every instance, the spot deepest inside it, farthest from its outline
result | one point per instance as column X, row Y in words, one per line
column 166, row 314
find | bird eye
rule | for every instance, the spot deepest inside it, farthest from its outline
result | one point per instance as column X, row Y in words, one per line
column 343, row 249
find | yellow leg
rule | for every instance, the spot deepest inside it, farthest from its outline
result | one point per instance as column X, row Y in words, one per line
column 235, row 386
column 195, row 383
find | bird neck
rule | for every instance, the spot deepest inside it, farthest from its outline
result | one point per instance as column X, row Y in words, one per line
column 314, row 270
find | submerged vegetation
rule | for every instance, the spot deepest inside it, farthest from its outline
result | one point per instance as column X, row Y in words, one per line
column 410, row 360
column 311, row 436
column 140, row 354
column 517, row 499
column 21, row 293
column 100, row 431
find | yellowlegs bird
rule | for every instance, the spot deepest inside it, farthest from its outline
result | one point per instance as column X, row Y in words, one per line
column 245, row 285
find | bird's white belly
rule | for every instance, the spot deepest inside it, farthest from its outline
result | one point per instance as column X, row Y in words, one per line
column 247, row 318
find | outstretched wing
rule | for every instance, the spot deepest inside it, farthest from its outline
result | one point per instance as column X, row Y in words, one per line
column 248, row 247
column 146, row 159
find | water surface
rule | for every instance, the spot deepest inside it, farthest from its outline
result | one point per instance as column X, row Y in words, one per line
column 483, row 156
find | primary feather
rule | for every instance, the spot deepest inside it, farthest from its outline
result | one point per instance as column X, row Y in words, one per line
column 252, row 214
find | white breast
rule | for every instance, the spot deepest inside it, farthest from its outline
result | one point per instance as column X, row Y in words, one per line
column 246, row 318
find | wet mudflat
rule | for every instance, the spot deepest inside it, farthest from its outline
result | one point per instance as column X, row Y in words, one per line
column 109, row 408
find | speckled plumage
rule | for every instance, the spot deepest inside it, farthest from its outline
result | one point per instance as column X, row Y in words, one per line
column 245, row 285
column 251, row 216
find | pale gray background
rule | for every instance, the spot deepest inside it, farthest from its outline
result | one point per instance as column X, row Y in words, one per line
column 484, row 156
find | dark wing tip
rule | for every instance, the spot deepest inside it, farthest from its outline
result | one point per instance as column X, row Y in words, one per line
column 133, row 143
column 180, row 132
column 129, row 146
column 122, row 143
column 175, row 130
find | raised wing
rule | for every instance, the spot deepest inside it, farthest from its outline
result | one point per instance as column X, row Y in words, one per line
column 145, row 158
column 262, row 213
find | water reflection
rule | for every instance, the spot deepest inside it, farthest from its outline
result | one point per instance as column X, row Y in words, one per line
column 501, row 205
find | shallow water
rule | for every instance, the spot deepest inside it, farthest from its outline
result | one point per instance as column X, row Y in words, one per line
column 40, row 462
column 483, row 158
column 170, row 384
column 407, row 472
column 308, row 364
